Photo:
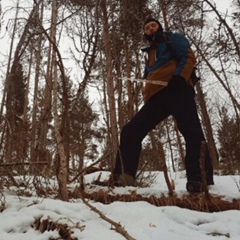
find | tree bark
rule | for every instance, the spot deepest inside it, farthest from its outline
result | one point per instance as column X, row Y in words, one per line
column 110, row 84
column 62, row 174
column 207, row 123
column 38, row 59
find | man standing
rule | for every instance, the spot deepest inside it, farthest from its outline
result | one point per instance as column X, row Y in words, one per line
column 171, row 62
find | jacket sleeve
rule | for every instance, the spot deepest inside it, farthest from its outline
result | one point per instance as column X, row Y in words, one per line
column 185, row 57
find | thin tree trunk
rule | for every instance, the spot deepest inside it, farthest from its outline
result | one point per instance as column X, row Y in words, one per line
column 34, row 138
column 159, row 155
column 163, row 6
column 180, row 146
column 110, row 83
column 41, row 148
column 169, row 182
column 62, row 174
column 170, row 147
column 207, row 123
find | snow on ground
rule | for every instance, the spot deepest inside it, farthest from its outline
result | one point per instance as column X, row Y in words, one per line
column 141, row 220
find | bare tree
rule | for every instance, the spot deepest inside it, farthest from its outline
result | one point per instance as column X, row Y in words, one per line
column 37, row 50
column 59, row 124
column 110, row 80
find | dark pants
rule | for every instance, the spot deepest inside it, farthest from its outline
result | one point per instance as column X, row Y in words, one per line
column 183, row 108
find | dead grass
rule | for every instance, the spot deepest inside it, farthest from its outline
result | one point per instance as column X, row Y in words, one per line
column 198, row 202
column 64, row 231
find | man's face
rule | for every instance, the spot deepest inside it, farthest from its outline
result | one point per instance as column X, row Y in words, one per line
column 150, row 28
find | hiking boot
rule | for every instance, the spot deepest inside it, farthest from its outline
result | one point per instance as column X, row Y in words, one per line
column 210, row 182
column 116, row 180
column 125, row 180
column 197, row 186
column 106, row 183
column 194, row 187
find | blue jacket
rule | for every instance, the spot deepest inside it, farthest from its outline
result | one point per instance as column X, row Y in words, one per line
column 179, row 60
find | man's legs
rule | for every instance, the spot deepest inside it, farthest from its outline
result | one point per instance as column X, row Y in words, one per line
column 185, row 112
column 132, row 134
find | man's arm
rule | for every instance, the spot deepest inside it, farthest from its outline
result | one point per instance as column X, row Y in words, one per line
column 186, row 59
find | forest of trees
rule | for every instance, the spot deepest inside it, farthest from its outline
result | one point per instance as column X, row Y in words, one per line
column 64, row 93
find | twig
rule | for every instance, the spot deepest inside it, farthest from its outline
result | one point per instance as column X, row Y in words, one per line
column 117, row 226
column 85, row 169
column 165, row 171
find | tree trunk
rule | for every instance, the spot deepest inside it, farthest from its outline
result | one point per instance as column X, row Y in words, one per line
column 209, row 133
column 62, row 173
column 110, row 84
column 38, row 56
column 180, row 147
